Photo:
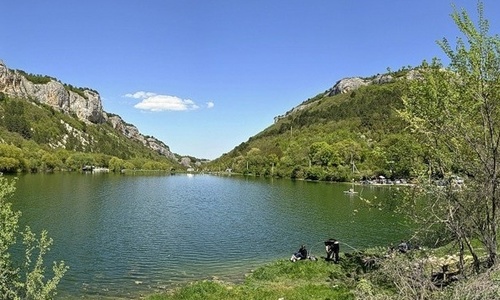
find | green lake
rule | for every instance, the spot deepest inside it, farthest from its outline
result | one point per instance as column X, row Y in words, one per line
column 124, row 235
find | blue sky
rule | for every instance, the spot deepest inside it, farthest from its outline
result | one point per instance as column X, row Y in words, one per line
column 204, row 76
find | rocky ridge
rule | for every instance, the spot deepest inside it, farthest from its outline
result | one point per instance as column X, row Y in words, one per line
column 342, row 86
column 349, row 84
column 87, row 105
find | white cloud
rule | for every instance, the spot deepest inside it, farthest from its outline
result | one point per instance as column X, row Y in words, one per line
column 210, row 104
column 154, row 102
column 140, row 95
column 165, row 102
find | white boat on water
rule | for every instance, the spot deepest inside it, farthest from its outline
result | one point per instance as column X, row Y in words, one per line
column 350, row 191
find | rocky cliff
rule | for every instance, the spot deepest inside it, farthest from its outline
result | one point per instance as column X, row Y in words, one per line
column 86, row 104
column 342, row 86
column 87, row 107
column 353, row 83
column 131, row 132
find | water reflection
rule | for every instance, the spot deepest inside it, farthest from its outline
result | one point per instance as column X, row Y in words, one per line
column 126, row 234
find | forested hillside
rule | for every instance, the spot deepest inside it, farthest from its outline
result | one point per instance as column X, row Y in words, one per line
column 335, row 136
column 37, row 137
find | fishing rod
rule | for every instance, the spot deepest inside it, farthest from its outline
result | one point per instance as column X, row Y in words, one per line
column 344, row 243
column 314, row 245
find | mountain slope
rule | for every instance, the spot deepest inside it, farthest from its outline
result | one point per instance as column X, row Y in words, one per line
column 350, row 131
column 39, row 112
column 83, row 103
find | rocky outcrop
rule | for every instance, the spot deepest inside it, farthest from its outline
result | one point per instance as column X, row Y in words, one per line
column 342, row 86
column 131, row 132
column 346, row 85
column 87, row 107
column 353, row 83
column 85, row 104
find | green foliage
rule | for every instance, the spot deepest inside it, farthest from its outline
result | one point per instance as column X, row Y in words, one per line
column 37, row 79
column 11, row 159
column 77, row 90
column 48, row 140
column 322, row 140
column 14, row 119
column 115, row 164
column 154, row 165
column 456, row 113
column 35, row 249
column 79, row 160
column 28, row 281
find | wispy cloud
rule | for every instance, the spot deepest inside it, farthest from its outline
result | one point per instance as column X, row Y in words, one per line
column 140, row 95
column 210, row 104
column 154, row 102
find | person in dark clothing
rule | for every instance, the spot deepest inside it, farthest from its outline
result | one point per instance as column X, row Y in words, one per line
column 336, row 250
column 329, row 249
column 301, row 254
column 403, row 247
column 332, row 248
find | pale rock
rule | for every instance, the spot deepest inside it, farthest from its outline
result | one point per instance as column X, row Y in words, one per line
column 87, row 108
column 131, row 132
column 346, row 85
column 54, row 94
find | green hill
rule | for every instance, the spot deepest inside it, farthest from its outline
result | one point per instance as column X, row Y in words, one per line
column 37, row 137
column 342, row 134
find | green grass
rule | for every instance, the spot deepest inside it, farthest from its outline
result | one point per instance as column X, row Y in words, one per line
column 280, row 280
column 351, row 279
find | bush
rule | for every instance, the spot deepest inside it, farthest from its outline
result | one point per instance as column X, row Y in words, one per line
column 29, row 280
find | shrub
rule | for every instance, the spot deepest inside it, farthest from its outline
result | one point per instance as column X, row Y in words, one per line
column 29, row 280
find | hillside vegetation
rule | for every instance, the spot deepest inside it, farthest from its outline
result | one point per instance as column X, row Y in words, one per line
column 36, row 137
column 352, row 135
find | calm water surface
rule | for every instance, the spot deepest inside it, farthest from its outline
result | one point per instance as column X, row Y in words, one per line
column 128, row 235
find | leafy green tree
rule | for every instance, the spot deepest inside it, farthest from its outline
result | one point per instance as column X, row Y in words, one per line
column 28, row 281
column 403, row 156
column 255, row 161
column 15, row 120
column 456, row 111
column 9, row 164
column 128, row 166
column 322, row 154
column 50, row 161
column 116, row 164
column 315, row 173
column 155, row 166
column 78, row 160
column 11, row 159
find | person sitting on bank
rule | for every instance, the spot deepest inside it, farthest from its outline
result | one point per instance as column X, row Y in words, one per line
column 301, row 254
column 403, row 247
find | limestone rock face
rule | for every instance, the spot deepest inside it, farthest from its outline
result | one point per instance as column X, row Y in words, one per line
column 86, row 105
column 346, row 85
column 54, row 94
column 186, row 161
column 133, row 133
column 353, row 83
column 382, row 78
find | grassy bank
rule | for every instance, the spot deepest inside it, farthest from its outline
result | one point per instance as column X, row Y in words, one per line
column 371, row 274
column 283, row 279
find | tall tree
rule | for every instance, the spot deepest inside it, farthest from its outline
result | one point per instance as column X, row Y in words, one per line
column 456, row 111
